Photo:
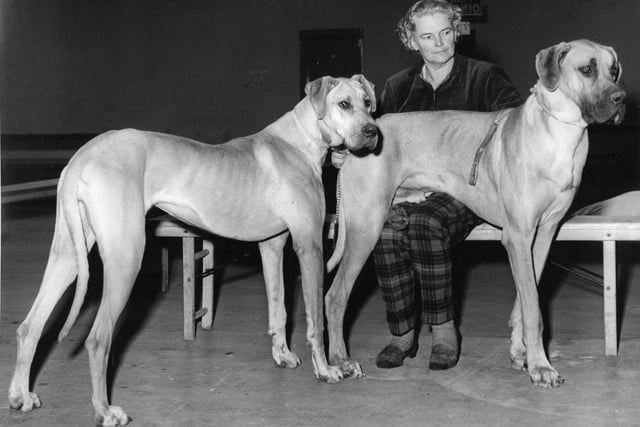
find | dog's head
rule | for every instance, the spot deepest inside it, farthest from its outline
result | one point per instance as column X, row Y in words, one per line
column 588, row 74
column 343, row 107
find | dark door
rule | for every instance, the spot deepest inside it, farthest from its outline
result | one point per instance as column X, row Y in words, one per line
column 335, row 53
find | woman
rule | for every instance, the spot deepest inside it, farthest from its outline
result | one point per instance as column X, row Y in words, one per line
column 413, row 257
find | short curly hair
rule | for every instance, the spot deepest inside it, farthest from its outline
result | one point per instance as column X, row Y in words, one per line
column 426, row 7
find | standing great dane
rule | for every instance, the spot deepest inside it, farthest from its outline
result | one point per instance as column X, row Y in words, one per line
column 518, row 169
column 261, row 187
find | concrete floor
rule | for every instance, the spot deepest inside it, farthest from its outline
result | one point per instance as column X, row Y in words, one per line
column 226, row 377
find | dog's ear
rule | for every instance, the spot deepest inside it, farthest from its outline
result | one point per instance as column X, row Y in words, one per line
column 548, row 62
column 616, row 66
column 368, row 88
column 317, row 91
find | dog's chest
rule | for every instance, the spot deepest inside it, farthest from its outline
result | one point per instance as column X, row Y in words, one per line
column 561, row 165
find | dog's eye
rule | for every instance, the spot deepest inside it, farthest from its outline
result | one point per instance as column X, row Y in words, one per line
column 367, row 103
column 586, row 70
column 344, row 105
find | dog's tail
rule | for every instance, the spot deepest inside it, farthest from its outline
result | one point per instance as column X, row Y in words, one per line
column 338, row 249
column 69, row 207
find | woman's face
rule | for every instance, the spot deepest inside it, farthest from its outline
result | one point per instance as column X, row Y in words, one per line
column 434, row 38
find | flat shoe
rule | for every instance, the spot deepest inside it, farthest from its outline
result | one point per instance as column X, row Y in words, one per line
column 392, row 356
column 442, row 357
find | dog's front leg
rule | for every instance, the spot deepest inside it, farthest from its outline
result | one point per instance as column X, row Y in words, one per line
column 272, row 264
column 309, row 251
column 541, row 247
column 518, row 246
column 517, row 350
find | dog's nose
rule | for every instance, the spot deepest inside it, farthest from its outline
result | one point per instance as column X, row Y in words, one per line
column 618, row 97
column 370, row 130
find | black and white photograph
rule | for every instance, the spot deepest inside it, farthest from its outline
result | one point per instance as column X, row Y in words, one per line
column 320, row 213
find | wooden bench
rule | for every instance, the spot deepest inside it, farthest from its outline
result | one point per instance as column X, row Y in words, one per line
column 166, row 226
column 607, row 230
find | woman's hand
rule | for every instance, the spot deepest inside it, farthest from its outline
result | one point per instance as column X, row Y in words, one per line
column 338, row 157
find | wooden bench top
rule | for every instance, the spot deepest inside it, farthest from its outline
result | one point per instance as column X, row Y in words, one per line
column 587, row 228
column 167, row 226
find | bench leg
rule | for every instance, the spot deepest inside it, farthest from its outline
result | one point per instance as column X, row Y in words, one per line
column 207, row 285
column 188, row 287
column 610, row 309
column 165, row 269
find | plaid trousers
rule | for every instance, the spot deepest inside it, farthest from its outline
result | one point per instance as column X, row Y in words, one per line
column 413, row 260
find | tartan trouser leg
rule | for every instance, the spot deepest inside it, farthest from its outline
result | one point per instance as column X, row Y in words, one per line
column 396, row 279
column 435, row 227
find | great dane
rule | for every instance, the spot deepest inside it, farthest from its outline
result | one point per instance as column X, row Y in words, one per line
column 261, row 187
column 518, row 169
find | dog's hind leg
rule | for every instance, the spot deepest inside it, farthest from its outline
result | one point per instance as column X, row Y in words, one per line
column 361, row 220
column 120, row 272
column 59, row 273
column 272, row 264
column 120, row 234
column 356, row 252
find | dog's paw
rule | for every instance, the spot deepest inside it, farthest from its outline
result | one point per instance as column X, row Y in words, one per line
column 286, row 359
column 518, row 354
column 519, row 363
column 351, row 369
column 546, row 377
column 115, row 416
column 24, row 403
column 332, row 375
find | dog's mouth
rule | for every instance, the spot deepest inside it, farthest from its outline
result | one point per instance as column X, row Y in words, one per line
column 364, row 144
column 617, row 118
column 604, row 113
column 364, row 139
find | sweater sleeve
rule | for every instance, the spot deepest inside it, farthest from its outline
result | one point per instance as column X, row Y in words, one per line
column 388, row 101
column 500, row 92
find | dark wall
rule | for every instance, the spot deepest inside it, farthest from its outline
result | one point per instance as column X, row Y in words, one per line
column 217, row 69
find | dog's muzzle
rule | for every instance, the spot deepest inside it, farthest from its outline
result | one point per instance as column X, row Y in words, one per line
column 610, row 109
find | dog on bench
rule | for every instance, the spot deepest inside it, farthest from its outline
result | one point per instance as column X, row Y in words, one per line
column 518, row 169
column 261, row 187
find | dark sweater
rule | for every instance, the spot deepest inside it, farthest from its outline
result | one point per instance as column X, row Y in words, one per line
column 472, row 85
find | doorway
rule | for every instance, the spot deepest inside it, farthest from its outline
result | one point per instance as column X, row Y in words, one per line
column 336, row 53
